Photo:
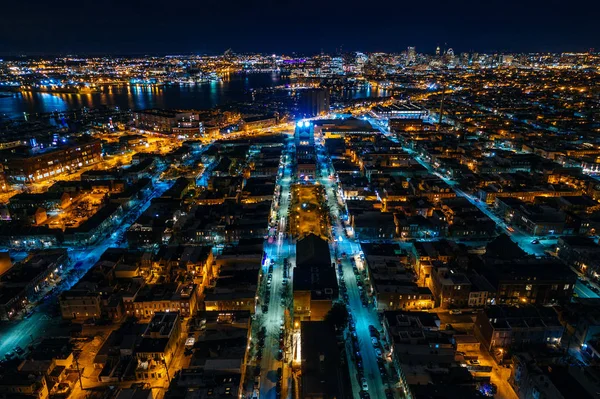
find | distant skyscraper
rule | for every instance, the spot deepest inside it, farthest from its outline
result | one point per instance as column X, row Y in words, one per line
column 337, row 66
column 464, row 59
column 411, row 55
column 314, row 102
column 438, row 50
column 449, row 56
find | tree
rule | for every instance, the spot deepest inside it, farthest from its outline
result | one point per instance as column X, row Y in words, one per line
column 338, row 316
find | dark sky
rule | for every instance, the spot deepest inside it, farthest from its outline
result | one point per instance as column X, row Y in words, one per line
column 304, row 26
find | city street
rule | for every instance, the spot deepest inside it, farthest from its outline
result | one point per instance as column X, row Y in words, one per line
column 255, row 218
column 362, row 316
column 273, row 320
column 524, row 240
column 24, row 332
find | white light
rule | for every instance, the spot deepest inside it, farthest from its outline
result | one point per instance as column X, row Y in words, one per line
column 306, row 123
column 299, row 124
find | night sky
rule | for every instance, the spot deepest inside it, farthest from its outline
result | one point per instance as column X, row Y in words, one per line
column 303, row 26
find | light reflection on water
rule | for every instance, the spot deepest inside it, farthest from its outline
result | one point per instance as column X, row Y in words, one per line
column 201, row 96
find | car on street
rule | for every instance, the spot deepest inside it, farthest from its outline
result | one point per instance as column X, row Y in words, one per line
column 455, row 311
column 373, row 331
column 474, row 362
column 359, row 365
column 363, row 384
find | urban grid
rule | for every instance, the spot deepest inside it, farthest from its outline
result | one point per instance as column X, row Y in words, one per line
column 411, row 225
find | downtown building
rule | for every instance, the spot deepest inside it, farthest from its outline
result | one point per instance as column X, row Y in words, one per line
column 31, row 165
column 314, row 102
column 185, row 123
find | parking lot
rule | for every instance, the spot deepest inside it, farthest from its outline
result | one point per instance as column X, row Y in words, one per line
column 78, row 212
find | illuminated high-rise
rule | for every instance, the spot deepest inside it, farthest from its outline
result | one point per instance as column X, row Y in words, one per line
column 411, row 55
column 314, row 102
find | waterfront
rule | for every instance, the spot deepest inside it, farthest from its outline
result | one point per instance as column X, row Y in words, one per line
column 232, row 89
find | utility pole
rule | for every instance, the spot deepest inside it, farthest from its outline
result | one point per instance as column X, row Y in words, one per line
column 166, row 368
column 76, row 356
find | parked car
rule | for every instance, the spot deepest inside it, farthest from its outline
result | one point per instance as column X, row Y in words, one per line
column 373, row 331
column 363, row 384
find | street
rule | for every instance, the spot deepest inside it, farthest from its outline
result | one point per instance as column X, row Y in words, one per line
column 24, row 332
column 362, row 316
column 273, row 320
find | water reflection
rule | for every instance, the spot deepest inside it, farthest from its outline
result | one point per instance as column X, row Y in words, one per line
column 234, row 87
